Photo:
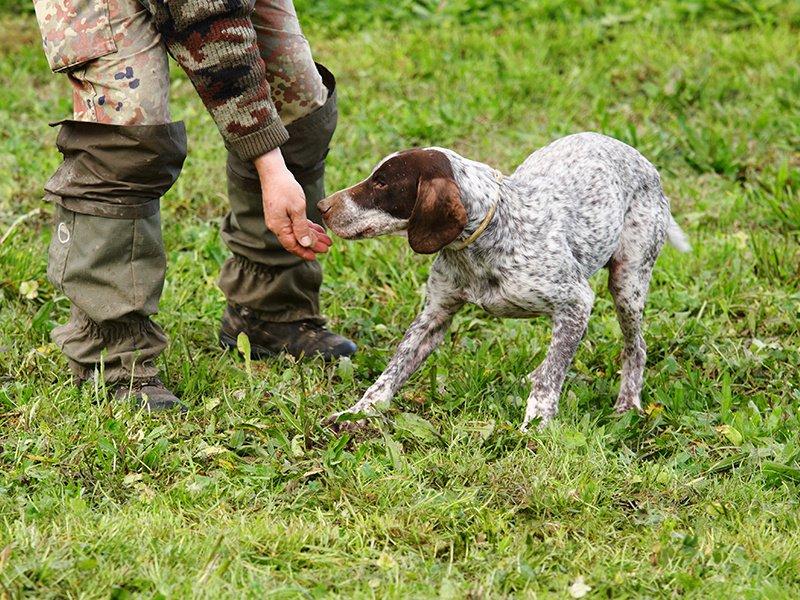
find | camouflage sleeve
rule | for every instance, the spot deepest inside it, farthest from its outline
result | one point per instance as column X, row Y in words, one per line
column 215, row 43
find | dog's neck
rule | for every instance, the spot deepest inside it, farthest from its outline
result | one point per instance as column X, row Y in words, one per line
column 479, row 186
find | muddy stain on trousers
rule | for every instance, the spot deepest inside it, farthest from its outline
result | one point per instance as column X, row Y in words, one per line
column 122, row 153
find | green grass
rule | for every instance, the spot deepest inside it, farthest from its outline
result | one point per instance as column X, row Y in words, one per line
column 247, row 495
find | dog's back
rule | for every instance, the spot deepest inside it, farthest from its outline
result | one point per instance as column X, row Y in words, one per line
column 583, row 156
column 599, row 187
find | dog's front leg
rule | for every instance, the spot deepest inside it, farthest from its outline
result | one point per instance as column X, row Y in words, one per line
column 422, row 337
column 569, row 326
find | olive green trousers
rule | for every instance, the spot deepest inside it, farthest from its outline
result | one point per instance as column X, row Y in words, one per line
column 107, row 254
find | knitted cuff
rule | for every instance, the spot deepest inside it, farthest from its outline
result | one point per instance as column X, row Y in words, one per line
column 253, row 145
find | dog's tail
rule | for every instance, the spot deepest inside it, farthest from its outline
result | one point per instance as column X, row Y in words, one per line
column 676, row 237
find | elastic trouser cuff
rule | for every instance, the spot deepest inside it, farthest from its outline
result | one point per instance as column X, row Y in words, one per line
column 274, row 294
column 119, row 351
column 116, row 171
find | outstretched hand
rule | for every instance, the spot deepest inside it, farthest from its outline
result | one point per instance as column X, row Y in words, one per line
column 285, row 209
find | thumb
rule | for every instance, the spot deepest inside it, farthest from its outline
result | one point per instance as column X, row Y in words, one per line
column 302, row 231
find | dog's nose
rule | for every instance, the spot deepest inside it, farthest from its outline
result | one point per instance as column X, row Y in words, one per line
column 325, row 204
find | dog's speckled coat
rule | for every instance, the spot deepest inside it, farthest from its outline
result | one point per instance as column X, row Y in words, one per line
column 584, row 202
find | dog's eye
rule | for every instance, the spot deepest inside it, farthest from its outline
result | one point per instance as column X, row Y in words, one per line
column 379, row 184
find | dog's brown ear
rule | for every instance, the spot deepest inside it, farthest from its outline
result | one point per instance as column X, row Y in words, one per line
column 438, row 216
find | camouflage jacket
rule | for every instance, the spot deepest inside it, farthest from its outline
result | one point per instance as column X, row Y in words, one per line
column 212, row 40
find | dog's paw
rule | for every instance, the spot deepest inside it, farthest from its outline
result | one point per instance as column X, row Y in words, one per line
column 533, row 423
column 627, row 403
column 347, row 421
column 540, row 411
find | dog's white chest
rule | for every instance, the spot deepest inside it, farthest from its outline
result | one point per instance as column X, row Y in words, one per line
column 501, row 288
column 507, row 300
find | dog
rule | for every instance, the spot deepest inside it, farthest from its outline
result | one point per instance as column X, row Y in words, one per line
column 518, row 246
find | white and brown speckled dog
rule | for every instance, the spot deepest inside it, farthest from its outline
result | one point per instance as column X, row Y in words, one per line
column 518, row 246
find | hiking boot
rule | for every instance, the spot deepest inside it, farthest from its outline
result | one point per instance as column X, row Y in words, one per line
column 149, row 393
column 301, row 339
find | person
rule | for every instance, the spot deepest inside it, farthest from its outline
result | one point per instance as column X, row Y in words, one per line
column 276, row 110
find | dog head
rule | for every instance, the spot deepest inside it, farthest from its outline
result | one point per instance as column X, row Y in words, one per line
column 412, row 192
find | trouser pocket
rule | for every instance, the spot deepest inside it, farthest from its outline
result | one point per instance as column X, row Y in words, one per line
column 74, row 32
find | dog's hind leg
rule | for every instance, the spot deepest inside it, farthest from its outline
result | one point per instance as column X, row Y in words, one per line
column 569, row 325
column 628, row 280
